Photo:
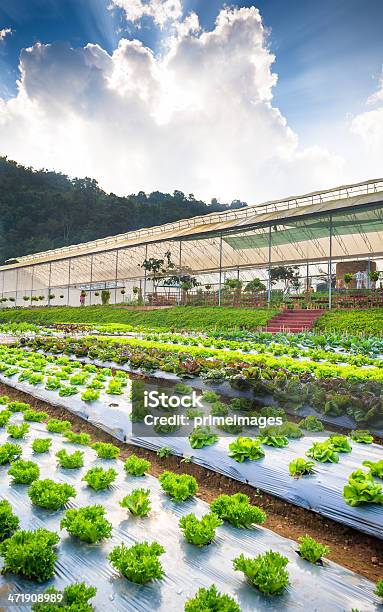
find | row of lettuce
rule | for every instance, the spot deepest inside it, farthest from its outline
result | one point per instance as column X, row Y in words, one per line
column 289, row 383
column 361, row 489
column 32, row 554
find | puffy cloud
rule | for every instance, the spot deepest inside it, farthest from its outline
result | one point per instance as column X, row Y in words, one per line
column 161, row 11
column 4, row 33
column 198, row 118
column 368, row 126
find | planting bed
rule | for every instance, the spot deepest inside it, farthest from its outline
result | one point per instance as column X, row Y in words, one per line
column 186, row 567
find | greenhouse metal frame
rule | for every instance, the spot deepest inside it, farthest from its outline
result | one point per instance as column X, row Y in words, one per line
column 309, row 231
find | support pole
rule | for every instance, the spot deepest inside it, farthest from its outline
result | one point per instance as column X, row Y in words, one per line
column 220, row 271
column 17, row 283
column 91, row 280
column 269, row 272
column 115, row 286
column 179, row 276
column 330, row 268
column 146, row 257
column 69, row 270
column 49, row 283
column 33, row 272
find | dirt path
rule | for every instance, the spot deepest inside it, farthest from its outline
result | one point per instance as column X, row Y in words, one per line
column 357, row 551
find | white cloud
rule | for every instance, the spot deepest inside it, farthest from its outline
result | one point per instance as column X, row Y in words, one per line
column 199, row 118
column 368, row 126
column 4, row 33
column 161, row 11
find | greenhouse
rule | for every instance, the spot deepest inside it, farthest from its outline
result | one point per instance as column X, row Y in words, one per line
column 325, row 235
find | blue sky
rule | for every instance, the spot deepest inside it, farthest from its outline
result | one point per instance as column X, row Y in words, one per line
column 328, row 54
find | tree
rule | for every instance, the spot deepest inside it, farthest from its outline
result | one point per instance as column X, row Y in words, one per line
column 158, row 268
column 286, row 274
column 255, row 285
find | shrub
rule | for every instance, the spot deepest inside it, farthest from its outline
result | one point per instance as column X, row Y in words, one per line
column 97, row 478
column 361, row 435
column 41, row 445
column 9, row 522
column 90, row 395
column 74, row 598
column 24, row 472
column 265, row 572
column 178, row 486
column 78, row 438
column 70, row 461
column 9, row 452
column 137, row 502
column 49, row 494
column 88, row 524
column 18, row 406
column 362, row 489
column 311, row 550
column 139, row 563
column 210, row 600
column 301, row 467
column 18, row 431
column 202, row 436
column 237, row 510
column 246, row 448
column 323, row 452
column 35, row 415
column 58, row 426
column 135, row 466
column 199, row 531
column 105, row 450
column 5, row 415
column 311, row 423
column 30, row 554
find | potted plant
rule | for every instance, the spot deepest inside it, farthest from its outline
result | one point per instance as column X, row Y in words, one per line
column 26, row 298
column 97, row 293
column 51, row 296
column 61, row 296
column 41, row 298
column 374, row 276
column 105, row 297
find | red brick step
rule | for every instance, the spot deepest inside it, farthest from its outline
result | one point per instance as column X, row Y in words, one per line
column 293, row 321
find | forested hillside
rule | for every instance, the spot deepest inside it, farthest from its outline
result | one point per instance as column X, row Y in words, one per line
column 42, row 210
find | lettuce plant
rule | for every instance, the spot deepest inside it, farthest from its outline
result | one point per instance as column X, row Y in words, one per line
column 9, row 452
column 52, row 383
column 311, row 423
column 376, row 468
column 379, row 589
column 35, row 415
column 178, row 486
column 246, row 448
column 237, row 510
column 340, row 443
column 323, row 452
column 41, row 445
column 18, row 406
column 114, row 387
column 24, row 472
column 311, row 550
column 202, row 436
column 5, row 415
column 137, row 502
column 58, row 426
column 30, row 554
column 135, row 466
column 219, row 409
column 105, row 450
column 88, row 524
column 164, row 451
column 18, row 431
column 70, row 461
column 139, row 563
column 361, row 435
column 276, row 441
column 4, row 399
column 210, row 397
column 78, row 438
column 90, row 395
column 97, row 478
column 265, row 572
column 9, row 522
column 74, row 598
column 210, row 600
column 67, row 390
column 362, row 489
column 49, row 494
column 199, row 531
column 301, row 467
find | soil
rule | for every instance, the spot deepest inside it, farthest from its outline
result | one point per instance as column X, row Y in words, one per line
column 350, row 548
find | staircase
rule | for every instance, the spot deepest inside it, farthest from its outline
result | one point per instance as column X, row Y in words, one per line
column 293, row 321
